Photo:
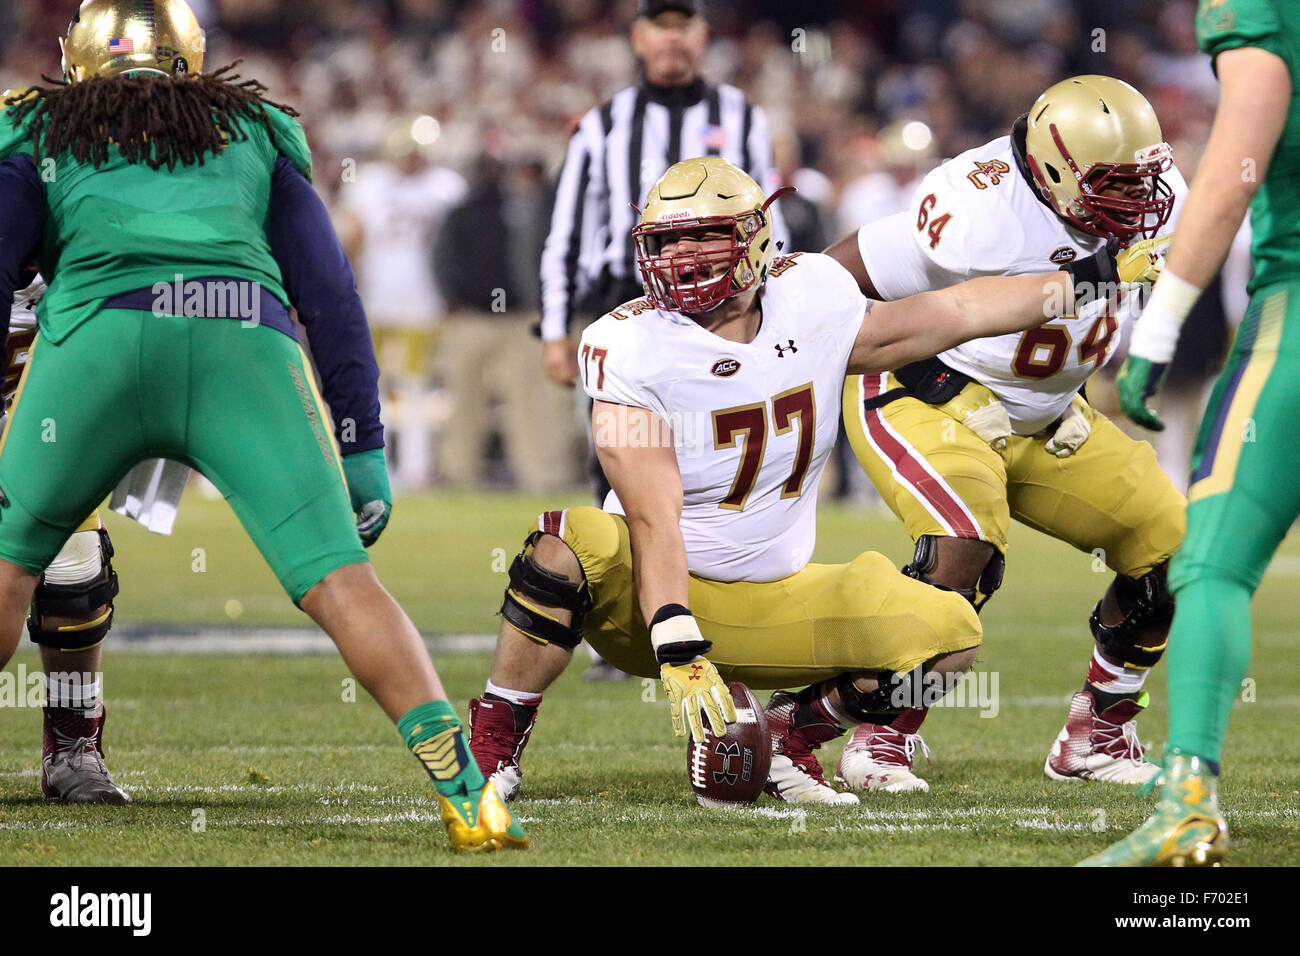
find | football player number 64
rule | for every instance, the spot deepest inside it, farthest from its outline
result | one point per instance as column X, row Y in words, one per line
column 936, row 224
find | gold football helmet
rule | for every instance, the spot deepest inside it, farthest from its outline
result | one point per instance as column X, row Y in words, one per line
column 699, row 195
column 131, row 37
column 1088, row 135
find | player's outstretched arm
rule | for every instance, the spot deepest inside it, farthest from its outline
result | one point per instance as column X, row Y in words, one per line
column 921, row 326
column 1253, row 101
column 635, row 448
column 322, row 287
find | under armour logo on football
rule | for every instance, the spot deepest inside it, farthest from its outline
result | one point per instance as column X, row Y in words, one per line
column 782, row 349
column 726, row 752
column 695, row 669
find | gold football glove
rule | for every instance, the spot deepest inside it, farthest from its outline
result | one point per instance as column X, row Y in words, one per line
column 690, row 680
column 979, row 409
column 1143, row 261
column 1073, row 431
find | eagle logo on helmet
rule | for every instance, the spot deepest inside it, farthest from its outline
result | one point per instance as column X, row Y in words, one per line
column 704, row 236
column 1095, row 150
column 129, row 38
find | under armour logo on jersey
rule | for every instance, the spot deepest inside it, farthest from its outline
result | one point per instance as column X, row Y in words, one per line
column 782, row 349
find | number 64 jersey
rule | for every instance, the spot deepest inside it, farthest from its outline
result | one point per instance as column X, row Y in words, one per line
column 977, row 215
column 752, row 423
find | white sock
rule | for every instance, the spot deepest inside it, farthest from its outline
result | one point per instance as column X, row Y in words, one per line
column 521, row 697
column 1123, row 680
column 74, row 691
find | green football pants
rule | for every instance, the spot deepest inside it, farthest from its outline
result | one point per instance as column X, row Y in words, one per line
column 236, row 402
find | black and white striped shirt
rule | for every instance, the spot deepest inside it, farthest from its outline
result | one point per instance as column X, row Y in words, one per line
column 617, row 153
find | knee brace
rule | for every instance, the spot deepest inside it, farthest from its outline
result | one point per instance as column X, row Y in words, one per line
column 78, row 582
column 870, row 706
column 1146, row 604
column 927, row 552
column 531, row 585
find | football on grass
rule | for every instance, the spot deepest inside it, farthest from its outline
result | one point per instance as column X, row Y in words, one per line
column 731, row 771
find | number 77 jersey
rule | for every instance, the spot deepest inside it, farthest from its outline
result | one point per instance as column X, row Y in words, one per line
column 752, row 423
column 978, row 215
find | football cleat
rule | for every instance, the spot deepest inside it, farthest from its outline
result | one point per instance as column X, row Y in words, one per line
column 498, row 733
column 1100, row 745
column 72, row 759
column 796, row 776
column 880, row 758
column 479, row 822
column 1186, row 829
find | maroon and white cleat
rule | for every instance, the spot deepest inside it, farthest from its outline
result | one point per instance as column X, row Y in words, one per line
column 881, row 758
column 796, row 776
column 1100, row 745
column 72, row 759
column 498, row 732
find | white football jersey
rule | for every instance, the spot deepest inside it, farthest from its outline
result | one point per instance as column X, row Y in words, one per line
column 752, row 423
column 976, row 215
column 22, row 331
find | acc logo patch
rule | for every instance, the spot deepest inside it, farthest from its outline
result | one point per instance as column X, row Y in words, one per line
column 1063, row 255
column 725, row 368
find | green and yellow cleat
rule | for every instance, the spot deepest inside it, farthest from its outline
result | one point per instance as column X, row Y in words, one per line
column 479, row 822
column 1186, row 828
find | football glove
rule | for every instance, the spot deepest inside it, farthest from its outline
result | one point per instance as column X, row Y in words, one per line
column 372, row 501
column 1073, row 431
column 1138, row 380
column 1142, row 261
column 690, row 680
column 979, row 410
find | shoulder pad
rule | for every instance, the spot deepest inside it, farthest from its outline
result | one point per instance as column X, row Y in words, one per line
column 290, row 139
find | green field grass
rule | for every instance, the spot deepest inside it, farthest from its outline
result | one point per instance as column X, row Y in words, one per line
column 258, row 759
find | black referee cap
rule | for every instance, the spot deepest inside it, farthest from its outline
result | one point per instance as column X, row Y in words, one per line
column 652, row 8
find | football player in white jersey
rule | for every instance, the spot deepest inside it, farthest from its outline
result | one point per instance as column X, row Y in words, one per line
column 716, row 405
column 71, row 614
column 999, row 428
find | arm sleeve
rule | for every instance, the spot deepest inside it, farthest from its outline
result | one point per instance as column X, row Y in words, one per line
column 764, row 173
column 321, row 286
column 572, row 219
column 22, row 220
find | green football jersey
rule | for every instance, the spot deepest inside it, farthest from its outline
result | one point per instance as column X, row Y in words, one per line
column 1272, row 25
column 126, row 226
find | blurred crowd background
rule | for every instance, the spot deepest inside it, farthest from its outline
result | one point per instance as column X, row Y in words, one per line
column 437, row 109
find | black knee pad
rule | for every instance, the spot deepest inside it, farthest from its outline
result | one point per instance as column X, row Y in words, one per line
column 531, row 585
column 77, row 637
column 1146, row 604
column 871, row 706
column 927, row 551
column 75, row 600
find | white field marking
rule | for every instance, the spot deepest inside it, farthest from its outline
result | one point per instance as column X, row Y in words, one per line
column 1035, row 818
column 273, row 641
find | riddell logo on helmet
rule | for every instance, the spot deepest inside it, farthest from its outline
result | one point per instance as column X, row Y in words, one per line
column 725, row 368
column 678, row 214
column 1063, row 255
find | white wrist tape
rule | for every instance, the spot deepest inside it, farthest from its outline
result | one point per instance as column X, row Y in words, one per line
column 1156, row 333
column 680, row 628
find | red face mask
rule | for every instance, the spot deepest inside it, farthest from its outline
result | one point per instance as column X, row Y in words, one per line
column 1124, row 217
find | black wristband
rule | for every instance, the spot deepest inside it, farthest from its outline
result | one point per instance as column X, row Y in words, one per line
column 668, row 611
column 682, row 652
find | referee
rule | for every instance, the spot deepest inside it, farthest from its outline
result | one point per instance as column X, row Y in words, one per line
column 617, row 152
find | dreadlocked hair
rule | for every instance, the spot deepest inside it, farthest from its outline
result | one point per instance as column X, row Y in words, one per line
column 161, row 121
